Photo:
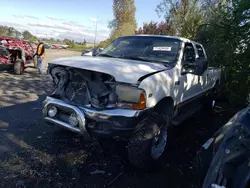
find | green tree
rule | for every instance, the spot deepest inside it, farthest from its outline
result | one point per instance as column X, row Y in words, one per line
column 65, row 41
column 27, row 35
column 4, row 30
column 124, row 22
column 155, row 28
column 34, row 39
column 104, row 43
column 84, row 42
column 11, row 32
column 184, row 17
column 226, row 37
column 71, row 43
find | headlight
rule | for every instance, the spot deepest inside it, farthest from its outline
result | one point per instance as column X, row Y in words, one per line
column 131, row 97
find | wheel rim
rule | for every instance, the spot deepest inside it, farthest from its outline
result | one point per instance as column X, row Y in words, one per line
column 159, row 143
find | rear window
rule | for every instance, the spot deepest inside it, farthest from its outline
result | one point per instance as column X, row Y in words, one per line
column 200, row 51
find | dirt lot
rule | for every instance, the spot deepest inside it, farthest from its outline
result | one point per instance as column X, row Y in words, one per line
column 53, row 53
column 33, row 154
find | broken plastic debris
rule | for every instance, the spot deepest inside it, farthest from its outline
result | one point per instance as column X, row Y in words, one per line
column 4, row 130
column 97, row 172
column 208, row 143
column 39, row 137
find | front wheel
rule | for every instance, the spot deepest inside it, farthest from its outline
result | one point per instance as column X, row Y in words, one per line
column 146, row 147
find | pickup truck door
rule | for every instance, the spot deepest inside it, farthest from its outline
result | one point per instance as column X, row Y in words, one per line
column 189, row 85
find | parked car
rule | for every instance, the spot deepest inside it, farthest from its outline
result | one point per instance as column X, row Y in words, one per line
column 224, row 159
column 54, row 46
column 63, row 46
column 15, row 54
column 135, row 88
column 92, row 52
column 47, row 46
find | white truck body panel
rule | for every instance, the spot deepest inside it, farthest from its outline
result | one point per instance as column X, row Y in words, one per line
column 162, row 84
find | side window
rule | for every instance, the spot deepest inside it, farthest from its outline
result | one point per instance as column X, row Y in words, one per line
column 189, row 53
column 200, row 51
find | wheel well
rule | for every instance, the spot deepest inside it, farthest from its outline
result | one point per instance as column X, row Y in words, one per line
column 165, row 106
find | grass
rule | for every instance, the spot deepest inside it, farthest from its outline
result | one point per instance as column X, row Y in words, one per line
column 78, row 47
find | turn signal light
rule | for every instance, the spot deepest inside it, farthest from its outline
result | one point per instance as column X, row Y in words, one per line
column 142, row 103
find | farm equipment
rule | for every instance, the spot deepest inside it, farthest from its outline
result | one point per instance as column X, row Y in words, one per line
column 15, row 54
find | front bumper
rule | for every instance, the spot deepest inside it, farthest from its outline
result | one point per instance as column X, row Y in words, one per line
column 109, row 123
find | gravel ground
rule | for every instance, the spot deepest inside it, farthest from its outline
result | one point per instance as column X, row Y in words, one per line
column 33, row 154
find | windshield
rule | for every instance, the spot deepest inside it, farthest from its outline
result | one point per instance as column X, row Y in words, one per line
column 148, row 48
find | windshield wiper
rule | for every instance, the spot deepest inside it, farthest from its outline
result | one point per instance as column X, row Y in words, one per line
column 142, row 59
column 134, row 58
column 105, row 55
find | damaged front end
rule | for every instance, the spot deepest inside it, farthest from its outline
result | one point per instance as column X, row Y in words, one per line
column 86, row 101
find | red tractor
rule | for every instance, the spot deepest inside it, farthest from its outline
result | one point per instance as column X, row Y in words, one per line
column 15, row 54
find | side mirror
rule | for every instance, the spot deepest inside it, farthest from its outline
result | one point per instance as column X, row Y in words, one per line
column 94, row 52
column 202, row 65
column 189, row 67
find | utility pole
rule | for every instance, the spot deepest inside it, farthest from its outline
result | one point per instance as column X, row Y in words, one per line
column 95, row 30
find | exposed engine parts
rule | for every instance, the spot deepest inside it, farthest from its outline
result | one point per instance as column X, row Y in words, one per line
column 84, row 87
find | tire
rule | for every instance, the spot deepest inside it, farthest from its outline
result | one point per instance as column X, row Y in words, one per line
column 140, row 146
column 18, row 67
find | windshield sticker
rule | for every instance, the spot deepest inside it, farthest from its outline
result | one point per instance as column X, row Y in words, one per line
column 162, row 48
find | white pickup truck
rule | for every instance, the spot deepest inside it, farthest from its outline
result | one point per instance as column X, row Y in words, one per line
column 136, row 88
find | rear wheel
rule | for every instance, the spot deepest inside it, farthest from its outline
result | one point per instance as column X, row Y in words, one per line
column 19, row 67
column 146, row 147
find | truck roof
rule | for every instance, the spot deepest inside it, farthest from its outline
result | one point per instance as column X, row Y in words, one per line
column 167, row 36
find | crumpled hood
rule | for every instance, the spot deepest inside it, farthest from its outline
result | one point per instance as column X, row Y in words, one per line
column 123, row 70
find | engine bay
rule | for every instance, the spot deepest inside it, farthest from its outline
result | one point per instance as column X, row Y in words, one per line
column 84, row 87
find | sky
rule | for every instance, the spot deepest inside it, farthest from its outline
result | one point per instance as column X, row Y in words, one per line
column 72, row 19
